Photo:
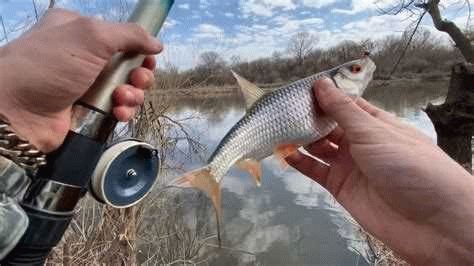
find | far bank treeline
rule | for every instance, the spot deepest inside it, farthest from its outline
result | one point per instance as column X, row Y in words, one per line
column 425, row 56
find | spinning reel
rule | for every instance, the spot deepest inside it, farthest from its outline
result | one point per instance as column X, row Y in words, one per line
column 125, row 173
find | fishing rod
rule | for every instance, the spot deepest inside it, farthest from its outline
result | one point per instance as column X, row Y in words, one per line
column 119, row 175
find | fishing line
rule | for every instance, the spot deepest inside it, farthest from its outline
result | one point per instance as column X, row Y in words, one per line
column 407, row 45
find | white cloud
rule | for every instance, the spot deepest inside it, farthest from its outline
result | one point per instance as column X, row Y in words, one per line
column 229, row 15
column 376, row 27
column 184, row 6
column 208, row 31
column 364, row 5
column 209, row 14
column 288, row 26
column 203, row 4
column 358, row 6
column 318, row 3
column 382, row 23
column 170, row 23
column 264, row 7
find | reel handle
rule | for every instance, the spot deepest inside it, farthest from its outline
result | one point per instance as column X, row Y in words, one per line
column 150, row 14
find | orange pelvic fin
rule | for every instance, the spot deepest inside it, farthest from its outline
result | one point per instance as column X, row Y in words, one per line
column 284, row 150
column 252, row 166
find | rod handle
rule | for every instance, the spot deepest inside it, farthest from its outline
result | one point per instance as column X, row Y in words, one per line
column 150, row 14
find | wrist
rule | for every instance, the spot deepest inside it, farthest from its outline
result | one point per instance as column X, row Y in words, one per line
column 456, row 229
column 7, row 105
column 5, row 86
column 38, row 129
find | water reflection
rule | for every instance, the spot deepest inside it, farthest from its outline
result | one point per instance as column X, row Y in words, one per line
column 290, row 219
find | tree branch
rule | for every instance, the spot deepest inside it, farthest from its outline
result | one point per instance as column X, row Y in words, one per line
column 407, row 45
column 459, row 38
column 4, row 29
column 51, row 3
column 36, row 10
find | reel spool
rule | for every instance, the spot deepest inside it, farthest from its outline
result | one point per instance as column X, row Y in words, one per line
column 125, row 173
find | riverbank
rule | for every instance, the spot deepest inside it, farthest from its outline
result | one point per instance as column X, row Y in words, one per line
column 392, row 88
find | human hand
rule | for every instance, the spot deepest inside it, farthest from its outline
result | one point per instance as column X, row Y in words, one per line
column 50, row 67
column 393, row 180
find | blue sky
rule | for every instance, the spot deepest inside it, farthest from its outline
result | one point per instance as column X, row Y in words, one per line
column 252, row 29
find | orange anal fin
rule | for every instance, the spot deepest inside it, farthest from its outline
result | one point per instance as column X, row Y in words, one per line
column 252, row 166
column 203, row 180
column 284, row 150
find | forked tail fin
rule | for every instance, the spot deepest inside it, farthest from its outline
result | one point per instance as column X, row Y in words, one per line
column 203, row 180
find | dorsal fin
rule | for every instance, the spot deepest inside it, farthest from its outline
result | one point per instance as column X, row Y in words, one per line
column 250, row 91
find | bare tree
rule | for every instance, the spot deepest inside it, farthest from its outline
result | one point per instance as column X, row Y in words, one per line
column 368, row 45
column 210, row 68
column 432, row 7
column 452, row 120
column 301, row 45
column 211, row 60
column 420, row 40
column 235, row 60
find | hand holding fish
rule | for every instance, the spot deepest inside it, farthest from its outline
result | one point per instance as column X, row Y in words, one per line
column 393, row 180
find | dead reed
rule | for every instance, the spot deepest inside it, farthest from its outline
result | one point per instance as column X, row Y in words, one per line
column 156, row 231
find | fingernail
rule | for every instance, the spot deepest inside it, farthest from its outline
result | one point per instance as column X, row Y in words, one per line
column 151, row 77
column 158, row 45
column 323, row 85
column 326, row 84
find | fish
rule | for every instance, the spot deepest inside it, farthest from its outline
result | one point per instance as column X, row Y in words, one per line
column 276, row 123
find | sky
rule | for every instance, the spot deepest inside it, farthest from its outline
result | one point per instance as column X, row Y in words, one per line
column 252, row 29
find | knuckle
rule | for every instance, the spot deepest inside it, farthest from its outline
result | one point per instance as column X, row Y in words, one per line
column 92, row 27
column 390, row 115
column 150, row 74
column 137, row 30
column 95, row 30
column 87, row 23
column 89, row 26
column 337, row 103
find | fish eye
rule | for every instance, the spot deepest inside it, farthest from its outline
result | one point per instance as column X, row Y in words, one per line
column 356, row 68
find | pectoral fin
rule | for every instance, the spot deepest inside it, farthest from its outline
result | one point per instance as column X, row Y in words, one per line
column 250, row 91
column 284, row 150
column 252, row 166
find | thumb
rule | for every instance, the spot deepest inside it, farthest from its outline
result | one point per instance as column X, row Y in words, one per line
column 339, row 106
column 131, row 37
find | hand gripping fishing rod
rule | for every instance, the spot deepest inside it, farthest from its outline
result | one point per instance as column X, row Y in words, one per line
column 120, row 175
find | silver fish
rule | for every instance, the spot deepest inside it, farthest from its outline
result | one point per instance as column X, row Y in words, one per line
column 277, row 122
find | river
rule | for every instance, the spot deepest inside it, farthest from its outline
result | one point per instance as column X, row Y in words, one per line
column 289, row 220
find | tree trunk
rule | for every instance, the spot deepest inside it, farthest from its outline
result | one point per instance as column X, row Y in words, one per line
column 460, row 39
column 454, row 119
